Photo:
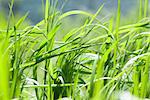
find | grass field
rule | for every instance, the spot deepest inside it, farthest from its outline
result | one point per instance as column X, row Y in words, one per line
column 98, row 60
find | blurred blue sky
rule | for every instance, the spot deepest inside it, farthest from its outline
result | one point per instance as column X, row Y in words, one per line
column 34, row 7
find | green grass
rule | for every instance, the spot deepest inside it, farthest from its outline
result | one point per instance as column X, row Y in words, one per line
column 97, row 60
